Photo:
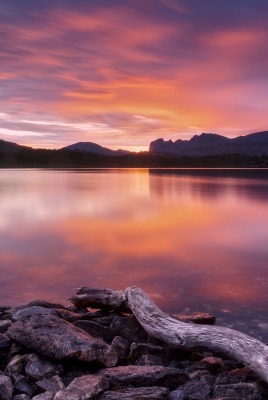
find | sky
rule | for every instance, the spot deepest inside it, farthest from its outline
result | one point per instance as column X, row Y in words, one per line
column 122, row 73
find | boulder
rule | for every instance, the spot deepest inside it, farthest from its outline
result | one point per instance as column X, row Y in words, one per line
column 53, row 337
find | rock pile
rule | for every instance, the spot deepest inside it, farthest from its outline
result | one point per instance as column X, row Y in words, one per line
column 52, row 352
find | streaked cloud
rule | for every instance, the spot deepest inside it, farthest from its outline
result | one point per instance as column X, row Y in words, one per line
column 125, row 74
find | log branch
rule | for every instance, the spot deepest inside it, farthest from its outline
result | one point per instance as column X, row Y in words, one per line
column 248, row 350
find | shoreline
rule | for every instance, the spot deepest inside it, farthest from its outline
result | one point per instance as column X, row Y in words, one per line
column 55, row 352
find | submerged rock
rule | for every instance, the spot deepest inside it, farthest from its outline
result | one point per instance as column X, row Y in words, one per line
column 54, row 337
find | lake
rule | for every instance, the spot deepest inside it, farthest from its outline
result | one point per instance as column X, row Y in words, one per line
column 194, row 240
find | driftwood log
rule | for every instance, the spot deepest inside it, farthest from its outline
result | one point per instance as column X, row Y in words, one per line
column 248, row 350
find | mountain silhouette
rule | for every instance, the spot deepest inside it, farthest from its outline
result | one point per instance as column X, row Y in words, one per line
column 94, row 148
column 10, row 147
column 210, row 144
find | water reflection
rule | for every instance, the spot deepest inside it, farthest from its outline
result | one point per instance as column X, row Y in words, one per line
column 192, row 239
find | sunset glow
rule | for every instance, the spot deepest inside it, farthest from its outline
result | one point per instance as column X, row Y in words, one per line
column 124, row 73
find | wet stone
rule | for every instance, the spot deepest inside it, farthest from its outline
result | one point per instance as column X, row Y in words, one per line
column 6, row 388
column 142, row 393
column 96, row 330
column 39, row 368
column 136, row 376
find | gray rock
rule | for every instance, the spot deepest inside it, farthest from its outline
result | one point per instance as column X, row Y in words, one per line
column 245, row 391
column 39, row 368
column 22, row 396
column 44, row 396
column 4, row 343
column 53, row 337
column 6, row 388
column 129, row 328
column 83, row 388
column 142, row 393
column 4, row 325
column 120, row 346
column 35, row 303
column 137, row 376
column 177, row 394
column 23, row 385
column 200, row 388
column 51, row 385
column 16, row 365
column 34, row 310
column 96, row 330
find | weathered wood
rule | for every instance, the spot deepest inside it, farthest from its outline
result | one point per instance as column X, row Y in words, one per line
column 100, row 298
column 248, row 350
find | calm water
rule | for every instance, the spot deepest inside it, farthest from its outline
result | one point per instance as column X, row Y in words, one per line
column 194, row 240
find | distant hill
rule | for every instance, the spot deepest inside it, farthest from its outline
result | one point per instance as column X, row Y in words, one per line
column 211, row 144
column 10, row 147
column 94, row 148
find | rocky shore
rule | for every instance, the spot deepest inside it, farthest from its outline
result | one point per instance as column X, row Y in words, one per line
column 55, row 352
